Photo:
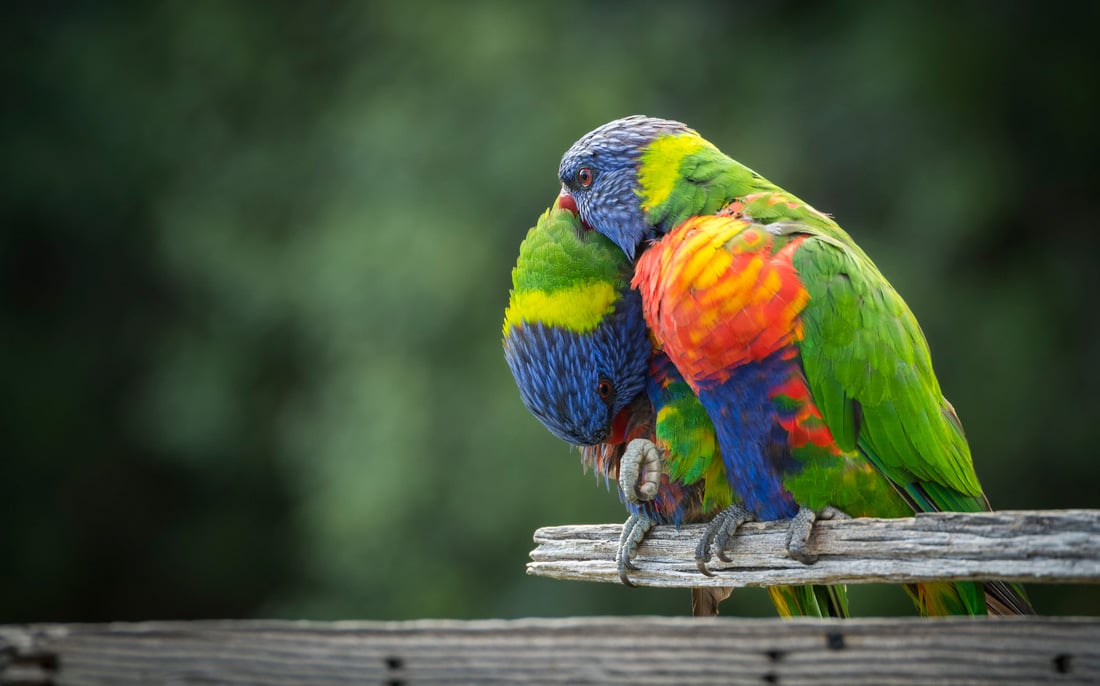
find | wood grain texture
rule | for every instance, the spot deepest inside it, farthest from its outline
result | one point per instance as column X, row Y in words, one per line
column 597, row 650
column 1045, row 546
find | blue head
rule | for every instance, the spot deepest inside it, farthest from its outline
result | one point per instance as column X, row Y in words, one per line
column 601, row 172
column 577, row 384
column 574, row 334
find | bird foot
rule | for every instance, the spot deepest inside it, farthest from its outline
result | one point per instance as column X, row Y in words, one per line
column 634, row 530
column 802, row 525
column 640, row 471
column 718, row 533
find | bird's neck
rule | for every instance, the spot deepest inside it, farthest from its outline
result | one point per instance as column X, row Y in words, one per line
column 707, row 181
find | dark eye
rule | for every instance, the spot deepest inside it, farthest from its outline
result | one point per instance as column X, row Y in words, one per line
column 584, row 177
column 605, row 389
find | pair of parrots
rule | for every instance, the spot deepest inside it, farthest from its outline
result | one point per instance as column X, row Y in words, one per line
column 727, row 353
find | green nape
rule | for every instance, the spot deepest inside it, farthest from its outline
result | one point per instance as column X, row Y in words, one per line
column 559, row 253
column 684, row 175
column 565, row 276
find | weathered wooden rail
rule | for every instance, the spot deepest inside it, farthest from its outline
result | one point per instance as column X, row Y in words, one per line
column 635, row 650
column 1045, row 546
column 1060, row 546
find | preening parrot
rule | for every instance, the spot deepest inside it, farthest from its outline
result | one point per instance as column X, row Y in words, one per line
column 575, row 340
column 811, row 367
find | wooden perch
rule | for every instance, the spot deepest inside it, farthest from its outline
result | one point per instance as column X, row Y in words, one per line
column 1047, row 546
column 1027, row 546
column 636, row 650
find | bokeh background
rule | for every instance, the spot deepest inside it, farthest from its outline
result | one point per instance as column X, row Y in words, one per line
column 254, row 259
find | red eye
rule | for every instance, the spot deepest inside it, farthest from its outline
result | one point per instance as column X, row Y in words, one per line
column 584, row 177
column 605, row 389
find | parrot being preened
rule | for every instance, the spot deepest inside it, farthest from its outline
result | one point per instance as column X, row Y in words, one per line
column 574, row 334
column 576, row 342
column 809, row 364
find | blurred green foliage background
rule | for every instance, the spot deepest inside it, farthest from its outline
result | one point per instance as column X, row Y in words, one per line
column 254, row 259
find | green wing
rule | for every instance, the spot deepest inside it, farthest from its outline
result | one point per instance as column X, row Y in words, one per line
column 870, row 374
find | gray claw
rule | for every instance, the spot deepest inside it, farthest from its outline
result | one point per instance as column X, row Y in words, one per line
column 802, row 525
column 640, row 470
column 634, row 530
column 718, row 533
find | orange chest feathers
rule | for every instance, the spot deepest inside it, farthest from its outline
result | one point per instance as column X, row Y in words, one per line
column 719, row 293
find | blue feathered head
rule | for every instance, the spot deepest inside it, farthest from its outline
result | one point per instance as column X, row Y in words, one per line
column 601, row 172
column 574, row 335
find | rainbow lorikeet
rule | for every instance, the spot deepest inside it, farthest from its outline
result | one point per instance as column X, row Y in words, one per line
column 812, row 368
column 577, row 345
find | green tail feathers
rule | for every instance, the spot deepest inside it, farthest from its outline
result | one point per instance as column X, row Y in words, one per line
column 938, row 599
column 943, row 598
column 969, row 598
column 810, row 601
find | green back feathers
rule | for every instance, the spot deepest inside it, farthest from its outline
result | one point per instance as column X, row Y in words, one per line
column 566, row 276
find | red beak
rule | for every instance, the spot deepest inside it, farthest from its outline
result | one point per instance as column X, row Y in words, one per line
column 567, row 202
